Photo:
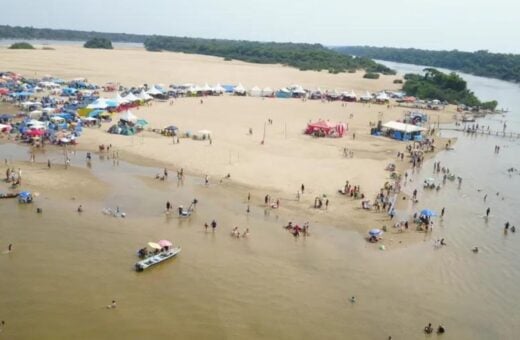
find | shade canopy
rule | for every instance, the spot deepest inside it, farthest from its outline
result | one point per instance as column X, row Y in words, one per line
column 165, row 243
column 129, row 117
column 402, row 127
column 154, row 245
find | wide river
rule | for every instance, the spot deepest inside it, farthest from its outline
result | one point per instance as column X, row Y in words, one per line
column 66, row 268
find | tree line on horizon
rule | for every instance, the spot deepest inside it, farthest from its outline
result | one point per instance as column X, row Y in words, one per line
column 480, row 63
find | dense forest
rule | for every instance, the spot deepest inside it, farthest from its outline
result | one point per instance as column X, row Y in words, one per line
column 301, row 56
column 17, row 32
column 445, row 87
column 480, row 63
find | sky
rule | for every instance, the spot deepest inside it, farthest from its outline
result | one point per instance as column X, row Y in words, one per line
column 466, row 25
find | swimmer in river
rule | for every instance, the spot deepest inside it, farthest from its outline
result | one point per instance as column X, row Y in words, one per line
column 475, row 250
column 440, row 329
column 112, row 305
column 488, row 210
column 428, row 329
column 353, row 299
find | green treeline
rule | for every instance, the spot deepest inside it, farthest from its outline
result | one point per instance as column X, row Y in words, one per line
column 302, row 56
column 481, row 63
column 445, row 87
column 18, row 32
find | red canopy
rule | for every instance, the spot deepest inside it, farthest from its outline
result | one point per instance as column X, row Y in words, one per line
column 35, row 133
column 4, row 91
column 326, row 128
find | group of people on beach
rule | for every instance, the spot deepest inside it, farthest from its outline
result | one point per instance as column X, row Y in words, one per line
column 236, row 233
column 296, row 230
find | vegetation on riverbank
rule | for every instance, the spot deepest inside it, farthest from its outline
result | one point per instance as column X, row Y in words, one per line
column 445, row 87
column 102, row 43
column 481, row 63
column 21, row 46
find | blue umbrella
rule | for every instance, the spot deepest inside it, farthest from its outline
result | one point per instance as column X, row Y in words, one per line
column 375, row 232
column 428, row 213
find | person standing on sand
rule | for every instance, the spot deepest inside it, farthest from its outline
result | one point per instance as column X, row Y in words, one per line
column 488, row 210
column 249, row 197
column 49, row 163
column 302, row 188
column 168, row 206
column 442, row 212
column 326, row 204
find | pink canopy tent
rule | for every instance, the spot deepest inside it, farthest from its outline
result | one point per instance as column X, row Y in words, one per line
column 35, row 132
column 326, row 128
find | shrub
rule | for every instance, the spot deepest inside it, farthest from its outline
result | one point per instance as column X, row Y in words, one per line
column 370, row 75
column 21, row 46
column 99, row 43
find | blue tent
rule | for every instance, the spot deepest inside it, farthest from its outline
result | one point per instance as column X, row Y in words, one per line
column 95, row 113
column 229, row 88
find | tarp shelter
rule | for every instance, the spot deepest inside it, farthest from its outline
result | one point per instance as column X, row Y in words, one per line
column 95, row 113
column 382, row 97
column 128, row 117
column 402, row 131
column 5, row 128
column 119, row 100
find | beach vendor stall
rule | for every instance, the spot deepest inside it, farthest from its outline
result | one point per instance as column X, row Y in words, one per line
column 402, row 131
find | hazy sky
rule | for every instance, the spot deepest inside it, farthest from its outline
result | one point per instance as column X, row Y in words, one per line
column 432, row 24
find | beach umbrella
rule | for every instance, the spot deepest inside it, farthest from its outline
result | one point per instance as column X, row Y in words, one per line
column 428, row 213
column 375, row 232
column 165, row 243
column 154, row 245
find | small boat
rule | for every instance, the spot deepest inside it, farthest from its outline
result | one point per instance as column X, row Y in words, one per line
column 468, row 119
column 9, row 195
column 155, row 259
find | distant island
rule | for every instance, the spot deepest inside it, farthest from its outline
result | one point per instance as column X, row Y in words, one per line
column 449, row 88
column 481, row 63
column 21, row 46
column 302, row 56
column 101, row 43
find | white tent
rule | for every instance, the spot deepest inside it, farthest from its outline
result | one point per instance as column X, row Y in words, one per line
column 239, row 89
column 267, row 92
column 402, row 127
column 352, row 94
column 206, row 88
column 99, row 103
column 219, row 89
column 131, row 98
column 366, row 97
column 382, row 97
column 153, row 91
column 144, row 96
column 129, row 117
column 255, row 91
column 120, row 100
